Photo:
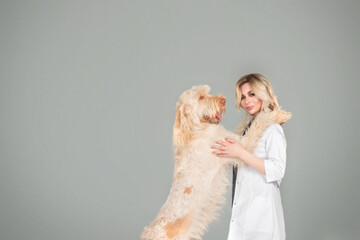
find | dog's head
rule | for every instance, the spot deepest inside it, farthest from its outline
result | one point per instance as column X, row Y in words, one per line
column 195, row 109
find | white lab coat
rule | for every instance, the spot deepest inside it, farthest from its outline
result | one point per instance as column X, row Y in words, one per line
column 257, row 212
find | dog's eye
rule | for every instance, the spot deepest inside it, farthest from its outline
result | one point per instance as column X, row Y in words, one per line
column 201, row 97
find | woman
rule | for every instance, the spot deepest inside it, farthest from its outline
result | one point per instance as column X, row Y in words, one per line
column 257, row 210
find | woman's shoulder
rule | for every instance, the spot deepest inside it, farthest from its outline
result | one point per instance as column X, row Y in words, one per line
column 274, row 134
column 275, row 128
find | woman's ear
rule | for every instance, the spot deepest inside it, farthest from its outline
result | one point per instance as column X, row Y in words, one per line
column 182, row 130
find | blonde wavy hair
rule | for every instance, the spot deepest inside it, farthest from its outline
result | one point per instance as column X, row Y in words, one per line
column 262, row 89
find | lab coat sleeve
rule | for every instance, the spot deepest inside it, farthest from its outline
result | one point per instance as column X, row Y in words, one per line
column 275, row 146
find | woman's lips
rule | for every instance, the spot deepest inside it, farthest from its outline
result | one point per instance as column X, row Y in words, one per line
column 249, row 108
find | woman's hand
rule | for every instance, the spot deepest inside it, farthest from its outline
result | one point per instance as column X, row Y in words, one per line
column 232, row 148
column 229, row 148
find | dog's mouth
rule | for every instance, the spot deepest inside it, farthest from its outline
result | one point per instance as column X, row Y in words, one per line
column 218, row 116
column 213, row 119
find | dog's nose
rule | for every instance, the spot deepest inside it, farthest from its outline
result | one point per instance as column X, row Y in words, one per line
column 223, row 101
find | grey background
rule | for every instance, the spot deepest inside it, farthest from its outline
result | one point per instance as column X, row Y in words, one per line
column 87, row 104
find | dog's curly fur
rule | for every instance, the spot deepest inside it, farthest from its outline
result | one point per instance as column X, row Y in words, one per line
column 200, row 178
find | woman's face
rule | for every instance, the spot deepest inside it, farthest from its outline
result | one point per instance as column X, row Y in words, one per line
column 249, row 102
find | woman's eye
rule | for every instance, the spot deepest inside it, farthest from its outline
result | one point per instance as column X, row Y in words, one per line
column 252, row 94
column 242, row 98
column 201, row 97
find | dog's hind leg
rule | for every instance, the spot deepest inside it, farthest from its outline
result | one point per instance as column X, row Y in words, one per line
column 178, row 228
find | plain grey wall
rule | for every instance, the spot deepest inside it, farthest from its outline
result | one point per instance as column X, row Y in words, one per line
column 87, row 104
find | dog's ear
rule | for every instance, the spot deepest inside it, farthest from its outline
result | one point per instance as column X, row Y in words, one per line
column 183, row 125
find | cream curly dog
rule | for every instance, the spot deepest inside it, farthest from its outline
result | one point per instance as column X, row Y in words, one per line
column 200, row 177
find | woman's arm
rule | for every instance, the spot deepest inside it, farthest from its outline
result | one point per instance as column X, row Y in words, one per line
column 253, row 161
column 275, row 147
column 272, row 167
